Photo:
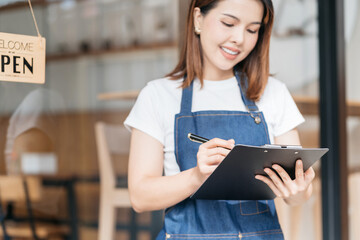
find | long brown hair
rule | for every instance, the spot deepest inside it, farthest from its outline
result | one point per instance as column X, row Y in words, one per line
column 255, row 65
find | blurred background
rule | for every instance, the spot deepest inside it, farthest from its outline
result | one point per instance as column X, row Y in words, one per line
column 99, row 55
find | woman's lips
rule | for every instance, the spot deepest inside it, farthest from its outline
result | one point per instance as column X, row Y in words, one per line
column 229, row 53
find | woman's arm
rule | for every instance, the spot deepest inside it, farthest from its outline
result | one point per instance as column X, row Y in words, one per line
column 295, row 191
column 149, row 189
column 289, row 138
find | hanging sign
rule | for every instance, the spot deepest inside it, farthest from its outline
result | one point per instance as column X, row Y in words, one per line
column 22, row 58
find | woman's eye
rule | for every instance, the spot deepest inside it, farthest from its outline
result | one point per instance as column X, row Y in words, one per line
column 228, row 24
column 252, row 31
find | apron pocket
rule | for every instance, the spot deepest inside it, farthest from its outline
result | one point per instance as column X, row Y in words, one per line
column 253, row 207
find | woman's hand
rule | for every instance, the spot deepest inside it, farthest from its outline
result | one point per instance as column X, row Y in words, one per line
column 293, row 192
column 210, row 155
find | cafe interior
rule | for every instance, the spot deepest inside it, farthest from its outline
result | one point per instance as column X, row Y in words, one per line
column 64, row 148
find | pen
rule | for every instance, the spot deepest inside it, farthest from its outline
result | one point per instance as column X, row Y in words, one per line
column 196, row 138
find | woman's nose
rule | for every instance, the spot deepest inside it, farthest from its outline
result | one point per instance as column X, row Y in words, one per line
column 238, row 36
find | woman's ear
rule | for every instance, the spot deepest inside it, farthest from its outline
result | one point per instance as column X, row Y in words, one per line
column 198, row 17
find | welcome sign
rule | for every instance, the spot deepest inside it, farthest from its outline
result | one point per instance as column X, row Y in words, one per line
column 22, row 58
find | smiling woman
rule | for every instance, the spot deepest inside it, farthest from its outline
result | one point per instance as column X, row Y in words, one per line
column 221, row 89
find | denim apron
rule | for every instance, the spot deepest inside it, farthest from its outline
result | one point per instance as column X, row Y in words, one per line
column 219, row 219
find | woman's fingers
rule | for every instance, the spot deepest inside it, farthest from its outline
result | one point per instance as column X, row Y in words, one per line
column 285, row 186
column 282, row 173
column 218, row 151
column 278, row 182
column 288, row 182
column 217, row 142
column 213, row 156
column 299, row 170
column 270, row 183
column 309, row 175
column 215, row 160
column 212, row 153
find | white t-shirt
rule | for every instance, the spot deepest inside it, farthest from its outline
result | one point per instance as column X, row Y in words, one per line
column 158, row 102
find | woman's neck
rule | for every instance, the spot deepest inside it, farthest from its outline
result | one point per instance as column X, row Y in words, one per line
column 217, row 75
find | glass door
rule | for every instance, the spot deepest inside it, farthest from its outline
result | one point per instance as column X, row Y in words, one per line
column 294, row 59
column 352, row 37
column 96, row 52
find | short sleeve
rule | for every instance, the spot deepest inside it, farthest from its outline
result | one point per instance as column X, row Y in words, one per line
column 145, row 114
column 288, row 115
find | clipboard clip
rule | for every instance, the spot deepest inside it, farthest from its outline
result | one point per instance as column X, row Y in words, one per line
column 277, row 146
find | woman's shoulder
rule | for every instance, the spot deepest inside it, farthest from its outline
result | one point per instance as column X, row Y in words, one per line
column 274, row 87
column 164, row 82
column 161, row 91
column 274, row 92
column 163, row 85
column 274, row 83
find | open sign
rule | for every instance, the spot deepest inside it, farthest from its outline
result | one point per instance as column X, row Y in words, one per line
column 22, row 58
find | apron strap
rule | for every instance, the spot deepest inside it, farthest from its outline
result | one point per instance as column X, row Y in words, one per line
column 186, row 99
column 243, row 85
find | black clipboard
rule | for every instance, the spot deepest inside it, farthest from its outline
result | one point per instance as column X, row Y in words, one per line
column 234, row 178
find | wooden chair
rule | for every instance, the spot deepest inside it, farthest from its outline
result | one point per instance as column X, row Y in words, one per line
column 110, row 139
column 12, row 189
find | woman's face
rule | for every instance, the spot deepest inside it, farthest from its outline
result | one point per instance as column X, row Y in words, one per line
column 229, row 32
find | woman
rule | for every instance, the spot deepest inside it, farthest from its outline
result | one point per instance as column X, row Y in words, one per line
column 220, row 90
